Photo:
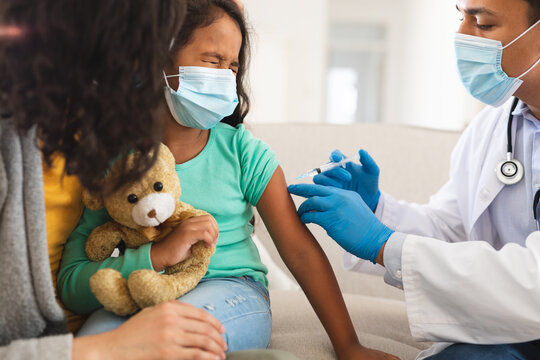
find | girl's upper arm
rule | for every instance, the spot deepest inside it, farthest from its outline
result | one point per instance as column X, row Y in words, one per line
column 278, row 212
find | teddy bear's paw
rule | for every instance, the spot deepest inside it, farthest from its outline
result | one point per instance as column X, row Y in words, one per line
column 198, row 212
column 111, row 289
column 148, row 288
column 186, row 279
column 181, row 266
column 199, row 259
column 201, row 253
column 102, row 241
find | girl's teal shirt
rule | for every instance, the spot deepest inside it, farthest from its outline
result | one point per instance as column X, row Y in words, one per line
column 226, row 179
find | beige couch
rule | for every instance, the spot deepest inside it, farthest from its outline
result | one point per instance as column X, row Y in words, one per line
column 414, row 164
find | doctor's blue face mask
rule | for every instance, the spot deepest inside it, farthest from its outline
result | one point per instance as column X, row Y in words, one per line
column 205, row 96
column 479, row 62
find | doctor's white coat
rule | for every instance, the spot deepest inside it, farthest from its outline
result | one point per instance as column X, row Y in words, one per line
column 461, row 289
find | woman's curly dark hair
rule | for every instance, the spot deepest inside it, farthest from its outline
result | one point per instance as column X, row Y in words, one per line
column 88, row 73
column 202, row 13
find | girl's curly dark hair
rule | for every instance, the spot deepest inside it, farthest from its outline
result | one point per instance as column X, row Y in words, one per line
column 202, row 13
column 89, row 74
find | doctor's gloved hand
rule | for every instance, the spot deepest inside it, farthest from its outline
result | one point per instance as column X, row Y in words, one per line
column 345, row 217
column 364, row 178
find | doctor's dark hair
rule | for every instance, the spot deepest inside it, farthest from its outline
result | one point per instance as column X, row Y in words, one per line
column 88, row 75
column 203, row 13
column 535, row 10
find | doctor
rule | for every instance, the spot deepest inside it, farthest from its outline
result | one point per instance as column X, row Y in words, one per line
column 469, row 260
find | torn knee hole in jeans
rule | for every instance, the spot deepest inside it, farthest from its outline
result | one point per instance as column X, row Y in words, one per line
column 209, row 307
column 238, row 299
column 235, row 300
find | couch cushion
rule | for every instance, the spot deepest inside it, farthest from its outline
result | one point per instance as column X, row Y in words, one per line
column 380, row 323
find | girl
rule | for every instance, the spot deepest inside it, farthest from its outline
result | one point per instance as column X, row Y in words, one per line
column 225, row 171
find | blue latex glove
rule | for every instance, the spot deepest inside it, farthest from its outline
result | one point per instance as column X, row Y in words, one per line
column 345, row 217
column 364, row 179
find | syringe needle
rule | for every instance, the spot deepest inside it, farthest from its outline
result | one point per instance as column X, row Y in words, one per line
column 328, row 166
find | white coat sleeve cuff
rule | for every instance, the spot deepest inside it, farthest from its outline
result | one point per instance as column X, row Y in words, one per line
column 392, row 255
column 353, row 263
column 380, row 207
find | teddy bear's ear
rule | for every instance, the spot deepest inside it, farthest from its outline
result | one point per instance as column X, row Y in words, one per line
column 166, row 154
column 92, row 201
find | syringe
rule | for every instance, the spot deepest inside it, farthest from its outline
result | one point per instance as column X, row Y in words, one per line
column 329, row 166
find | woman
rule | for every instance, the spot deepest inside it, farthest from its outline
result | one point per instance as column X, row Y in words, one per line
column 71, row 81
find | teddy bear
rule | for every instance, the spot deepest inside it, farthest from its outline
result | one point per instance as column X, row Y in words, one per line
column 143, row 211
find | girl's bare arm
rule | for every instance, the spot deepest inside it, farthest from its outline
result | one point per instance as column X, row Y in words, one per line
column 307, row 262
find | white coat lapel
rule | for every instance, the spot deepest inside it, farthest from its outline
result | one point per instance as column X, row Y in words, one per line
column 488, row 184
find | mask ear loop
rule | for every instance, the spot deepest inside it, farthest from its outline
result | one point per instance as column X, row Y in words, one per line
column 519, row 37
column 522, row 35
column 530, row 69
column 165, row 76
column 166, row 81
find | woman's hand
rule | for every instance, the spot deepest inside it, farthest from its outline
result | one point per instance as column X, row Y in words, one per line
column 176, row 247
column 170, row 330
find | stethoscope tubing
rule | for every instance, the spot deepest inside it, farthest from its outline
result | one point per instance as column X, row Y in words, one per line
column 510, row 151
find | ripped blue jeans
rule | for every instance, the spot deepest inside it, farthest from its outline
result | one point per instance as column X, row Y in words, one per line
column 241, row 304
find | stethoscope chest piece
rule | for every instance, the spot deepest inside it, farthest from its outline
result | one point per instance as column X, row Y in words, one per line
column 509, row 172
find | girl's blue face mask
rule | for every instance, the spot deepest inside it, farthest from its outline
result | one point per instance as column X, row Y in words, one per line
column 205, row 96
column 479, row 62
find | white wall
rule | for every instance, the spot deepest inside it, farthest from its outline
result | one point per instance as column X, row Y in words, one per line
column 431, row 92
column 288, row 66
column 390, row 14
column 420, row 86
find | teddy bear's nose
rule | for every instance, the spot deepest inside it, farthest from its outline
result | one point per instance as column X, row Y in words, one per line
column 152, row 214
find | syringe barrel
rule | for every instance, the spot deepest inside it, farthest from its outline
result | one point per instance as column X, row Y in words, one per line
column 331, row 165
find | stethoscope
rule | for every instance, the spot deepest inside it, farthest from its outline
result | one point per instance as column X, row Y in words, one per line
column 510, row 171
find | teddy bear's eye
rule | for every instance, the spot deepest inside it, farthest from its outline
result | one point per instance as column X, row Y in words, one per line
column 132, row 198
column 158, row 186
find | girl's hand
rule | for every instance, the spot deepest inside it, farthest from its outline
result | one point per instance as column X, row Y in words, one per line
column 360, row 352
column 176, row 247
column 171, row 330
